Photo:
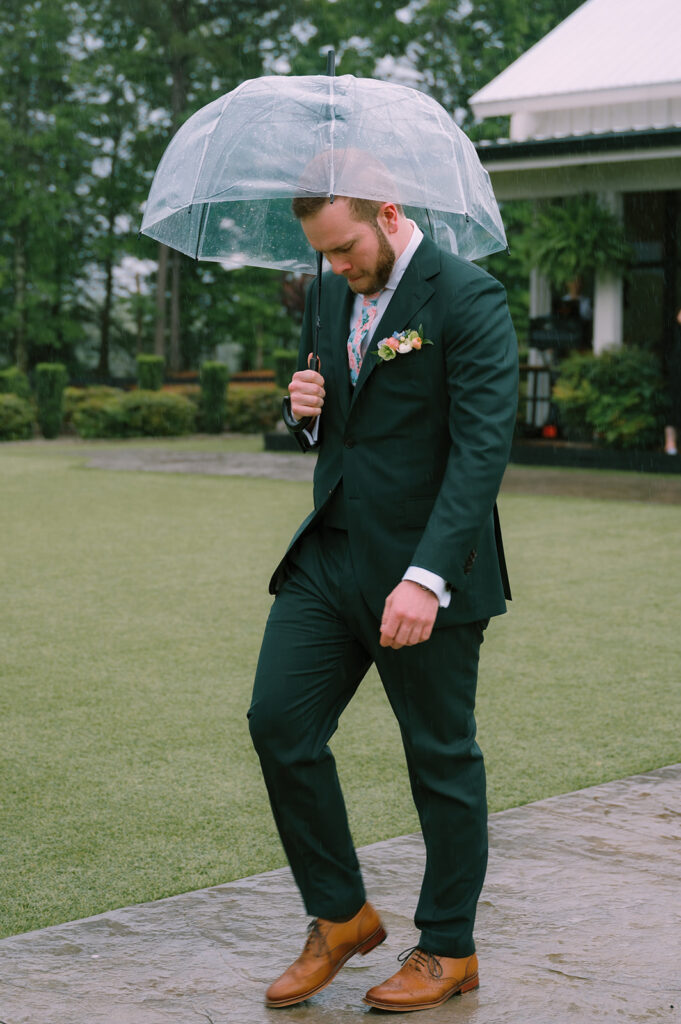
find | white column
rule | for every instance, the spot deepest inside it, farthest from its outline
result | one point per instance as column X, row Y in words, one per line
column 608, row 298
column 608, row 293
column 538, row 384
column 540, row 293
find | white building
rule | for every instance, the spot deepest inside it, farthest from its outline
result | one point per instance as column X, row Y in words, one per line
column 595, row 107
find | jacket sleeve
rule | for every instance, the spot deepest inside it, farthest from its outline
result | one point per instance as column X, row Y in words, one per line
column 482, row 384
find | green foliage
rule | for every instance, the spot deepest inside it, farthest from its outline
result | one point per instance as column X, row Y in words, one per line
column 135, row 414
column 50, row 381
column 617, row 396
column 99, row 416
column 75, row 398
column 573, row 238
column 285, row 361
column 150, row 371
column 510, row 267
column 448, row 50
column 14, row 382
column 214, row 377
column 158, row 414
column 252, row 409
column 16, row 418
column 85, row 119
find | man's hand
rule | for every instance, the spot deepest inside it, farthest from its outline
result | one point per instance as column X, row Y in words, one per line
column 307, row 394
column 408, row 616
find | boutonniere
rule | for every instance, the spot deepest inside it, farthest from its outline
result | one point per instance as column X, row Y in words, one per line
column 401, row 343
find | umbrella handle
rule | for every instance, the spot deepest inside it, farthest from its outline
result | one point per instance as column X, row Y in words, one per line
column 314, row 362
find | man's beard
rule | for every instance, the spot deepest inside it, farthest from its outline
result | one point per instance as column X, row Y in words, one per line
column 385, row 261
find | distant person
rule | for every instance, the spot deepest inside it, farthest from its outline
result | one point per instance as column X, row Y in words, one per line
column 673, row 368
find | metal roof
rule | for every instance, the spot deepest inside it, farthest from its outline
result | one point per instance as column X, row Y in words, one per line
column 606, row 51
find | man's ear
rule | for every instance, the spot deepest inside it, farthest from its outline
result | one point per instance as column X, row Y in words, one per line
column 389, row 218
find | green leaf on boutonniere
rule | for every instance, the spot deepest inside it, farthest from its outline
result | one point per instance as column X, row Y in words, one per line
column 424, row 341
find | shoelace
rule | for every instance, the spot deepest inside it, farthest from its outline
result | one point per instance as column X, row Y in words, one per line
column 315, row 938
column 420, row 958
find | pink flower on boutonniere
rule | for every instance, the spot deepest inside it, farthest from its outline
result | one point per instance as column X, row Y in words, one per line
column 401, row 343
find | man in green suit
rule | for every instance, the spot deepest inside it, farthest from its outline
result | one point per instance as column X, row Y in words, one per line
column 400, row 563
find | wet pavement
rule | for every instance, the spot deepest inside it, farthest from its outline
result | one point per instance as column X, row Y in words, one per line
column 623, row 486
column 579, row 922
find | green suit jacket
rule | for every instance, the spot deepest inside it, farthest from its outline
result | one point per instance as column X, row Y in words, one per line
column 422, row 441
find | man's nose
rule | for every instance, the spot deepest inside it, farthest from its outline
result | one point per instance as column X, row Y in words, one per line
column 339, row 264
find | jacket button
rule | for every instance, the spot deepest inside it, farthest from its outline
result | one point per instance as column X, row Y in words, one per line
column 349, row 443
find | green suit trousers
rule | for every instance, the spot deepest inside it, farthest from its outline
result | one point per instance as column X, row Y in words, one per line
column 320, row 639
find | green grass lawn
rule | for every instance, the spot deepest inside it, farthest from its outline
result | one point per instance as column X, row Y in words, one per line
column 132, row 610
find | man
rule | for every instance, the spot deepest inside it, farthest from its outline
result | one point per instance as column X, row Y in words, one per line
column 399, row 564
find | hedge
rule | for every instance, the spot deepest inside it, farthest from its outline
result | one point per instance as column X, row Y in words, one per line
column 285, row 362
column 16, row 418
column 214, row 378
column 75, row 398
column 14, row 382
column 109, row 412
column 252, row 410
column 150, row 372
column 135, row 414
column 50, row 381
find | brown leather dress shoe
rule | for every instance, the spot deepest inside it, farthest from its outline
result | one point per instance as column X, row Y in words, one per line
column 328, row 947
column 424, row 981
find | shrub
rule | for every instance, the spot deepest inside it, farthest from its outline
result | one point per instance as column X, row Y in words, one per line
column 16, row 418
column 214, row 377
column 150, row 370
column 14, row 382
column 135, row 414
column 251, row 410
column 618, row 396
column 158, row 414
column 75, row 398
column 285, row 362
column 99, row 416
column 50, row 381
column 192, row 391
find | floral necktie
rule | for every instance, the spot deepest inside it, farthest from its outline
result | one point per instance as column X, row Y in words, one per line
column 360, row 329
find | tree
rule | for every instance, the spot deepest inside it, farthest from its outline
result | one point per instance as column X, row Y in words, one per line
column 448, row 50
column 208, row 47
column 39, row 209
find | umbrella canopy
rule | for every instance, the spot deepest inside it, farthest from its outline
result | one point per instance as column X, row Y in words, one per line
column 223, row 189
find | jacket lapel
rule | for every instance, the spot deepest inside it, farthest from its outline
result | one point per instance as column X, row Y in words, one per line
column 413, row 291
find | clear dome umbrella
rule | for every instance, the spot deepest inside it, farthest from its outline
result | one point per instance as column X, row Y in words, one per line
column 224, row 186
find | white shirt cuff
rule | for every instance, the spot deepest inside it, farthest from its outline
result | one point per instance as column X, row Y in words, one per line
column 313, row 434
column 431, row 580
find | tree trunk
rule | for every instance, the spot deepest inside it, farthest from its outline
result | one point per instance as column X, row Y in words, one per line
column 105, row 319
column 20, row 340
column 180, row 21
column 161, row 285
column 138, row 314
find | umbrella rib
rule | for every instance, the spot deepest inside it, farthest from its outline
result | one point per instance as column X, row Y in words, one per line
column 202, row 228
column 332, row 105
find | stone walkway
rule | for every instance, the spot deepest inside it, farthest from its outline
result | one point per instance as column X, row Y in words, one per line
column 285, row 466
column 579, row 922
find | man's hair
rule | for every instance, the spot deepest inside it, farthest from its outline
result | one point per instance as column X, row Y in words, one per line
column 361, row 209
